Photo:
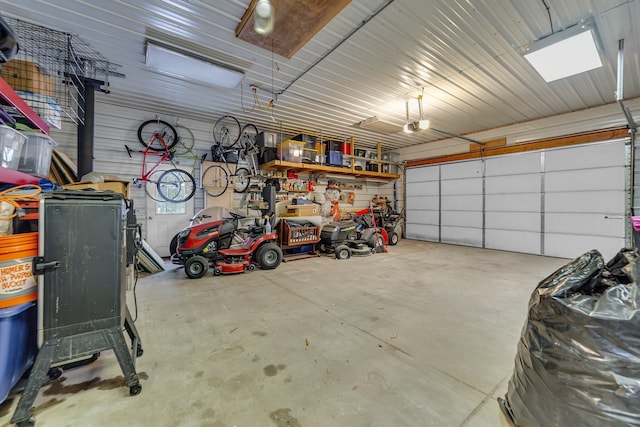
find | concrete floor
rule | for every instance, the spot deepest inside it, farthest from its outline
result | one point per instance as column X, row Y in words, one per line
column 423, row 335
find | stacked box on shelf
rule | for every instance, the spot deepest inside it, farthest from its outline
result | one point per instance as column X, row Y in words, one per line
column 11, row 146
column 27, row 76
column 332, row 146
column 334, row 158
column 36, row 154
column 391, row 157
column 290, row 151
column 267, row 139
column 308, row 140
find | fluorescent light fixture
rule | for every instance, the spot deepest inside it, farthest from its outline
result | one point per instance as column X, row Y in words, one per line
column 408, row 128
column 190, row 68
column 423, row 124
column 566, row 53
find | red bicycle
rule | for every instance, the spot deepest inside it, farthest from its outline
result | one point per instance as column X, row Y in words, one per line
column 173, row 185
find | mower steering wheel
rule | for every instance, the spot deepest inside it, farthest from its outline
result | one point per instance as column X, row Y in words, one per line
column 236, row 216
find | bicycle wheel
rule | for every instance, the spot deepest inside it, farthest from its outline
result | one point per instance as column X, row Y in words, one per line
column 151, row 187
column 249, row 135
column 186, row 140
column 176, row 186
column 152, row 132
column 242, row 180
column 226, row 131
column 215, row 180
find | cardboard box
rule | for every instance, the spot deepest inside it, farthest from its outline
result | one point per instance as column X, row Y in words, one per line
column 27, row 76
column 121, row 187
column 303, row 210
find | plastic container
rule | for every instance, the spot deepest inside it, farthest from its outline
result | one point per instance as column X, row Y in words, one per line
column 18, row 344
column 17, row 283
column 290, row 151
column 334, row 158
column 36, row 155
column 11, row 145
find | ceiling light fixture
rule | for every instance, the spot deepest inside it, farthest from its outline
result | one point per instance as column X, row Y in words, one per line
column 566, row 53
column 185, row 66
column 422, row 124
column 264, row 18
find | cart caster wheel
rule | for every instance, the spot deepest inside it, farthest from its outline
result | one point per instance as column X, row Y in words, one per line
column 251, row 267
column 135, row 390
column 139, row 351
column 217, row 271
column 54, row 373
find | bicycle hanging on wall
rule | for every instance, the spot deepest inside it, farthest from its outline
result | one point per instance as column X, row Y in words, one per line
column 234, row 143
column 159, row 139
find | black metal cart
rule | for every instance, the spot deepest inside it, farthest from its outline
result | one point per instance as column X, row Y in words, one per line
column 81, row 284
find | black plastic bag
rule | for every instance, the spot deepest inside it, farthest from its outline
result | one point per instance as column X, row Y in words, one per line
column 578, row 359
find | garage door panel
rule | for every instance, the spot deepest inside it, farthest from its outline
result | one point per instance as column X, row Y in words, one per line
column 423, row 217
column 518, row 241
column 429, row 233
column 530, row 183
column 591, row 201
column 572, row 246
column 423, row 188
column 423, row 202
column 590, row 156
column 513, row 202
column 462, row 236
column 521, row 221
column 463, row 219
column 462, row 203
column 461, row 170
column 585, row 224
column 428, row 173
column 513, row 164
column 462, row 186
column 580, row 197
column 586, row 179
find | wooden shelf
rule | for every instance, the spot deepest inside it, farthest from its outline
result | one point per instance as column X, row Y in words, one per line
column 280, row 165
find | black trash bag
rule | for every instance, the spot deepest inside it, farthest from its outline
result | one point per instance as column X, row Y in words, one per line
column 578, row 359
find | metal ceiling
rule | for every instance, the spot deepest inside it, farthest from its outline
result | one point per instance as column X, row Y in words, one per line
column 367, row 62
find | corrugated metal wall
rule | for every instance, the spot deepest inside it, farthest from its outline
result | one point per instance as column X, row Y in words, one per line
column 117, row 125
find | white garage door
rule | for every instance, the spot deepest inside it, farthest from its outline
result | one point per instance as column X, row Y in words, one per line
column 584, row 200
column 423, row 203
column 558, row 202
column 513, row 203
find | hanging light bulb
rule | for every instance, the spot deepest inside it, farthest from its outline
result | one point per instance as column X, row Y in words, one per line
column 263, row 18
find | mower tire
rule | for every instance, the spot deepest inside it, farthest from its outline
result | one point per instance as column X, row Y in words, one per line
column 393, row 238
column 343, row 252
column 376, row 240
column 196, row 267
column 173, row 246
column 269, row 256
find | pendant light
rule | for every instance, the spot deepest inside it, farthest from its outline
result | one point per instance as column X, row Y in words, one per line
column 264, row 17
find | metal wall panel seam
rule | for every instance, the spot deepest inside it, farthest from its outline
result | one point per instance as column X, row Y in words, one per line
column 542, row 196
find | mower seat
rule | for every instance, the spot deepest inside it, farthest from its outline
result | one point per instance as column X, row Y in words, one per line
column 243, row 250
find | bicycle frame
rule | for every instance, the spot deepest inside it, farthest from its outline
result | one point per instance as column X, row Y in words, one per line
column 164, row 155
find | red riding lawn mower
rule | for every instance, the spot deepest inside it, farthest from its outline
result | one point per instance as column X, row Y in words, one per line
column 209, row 242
